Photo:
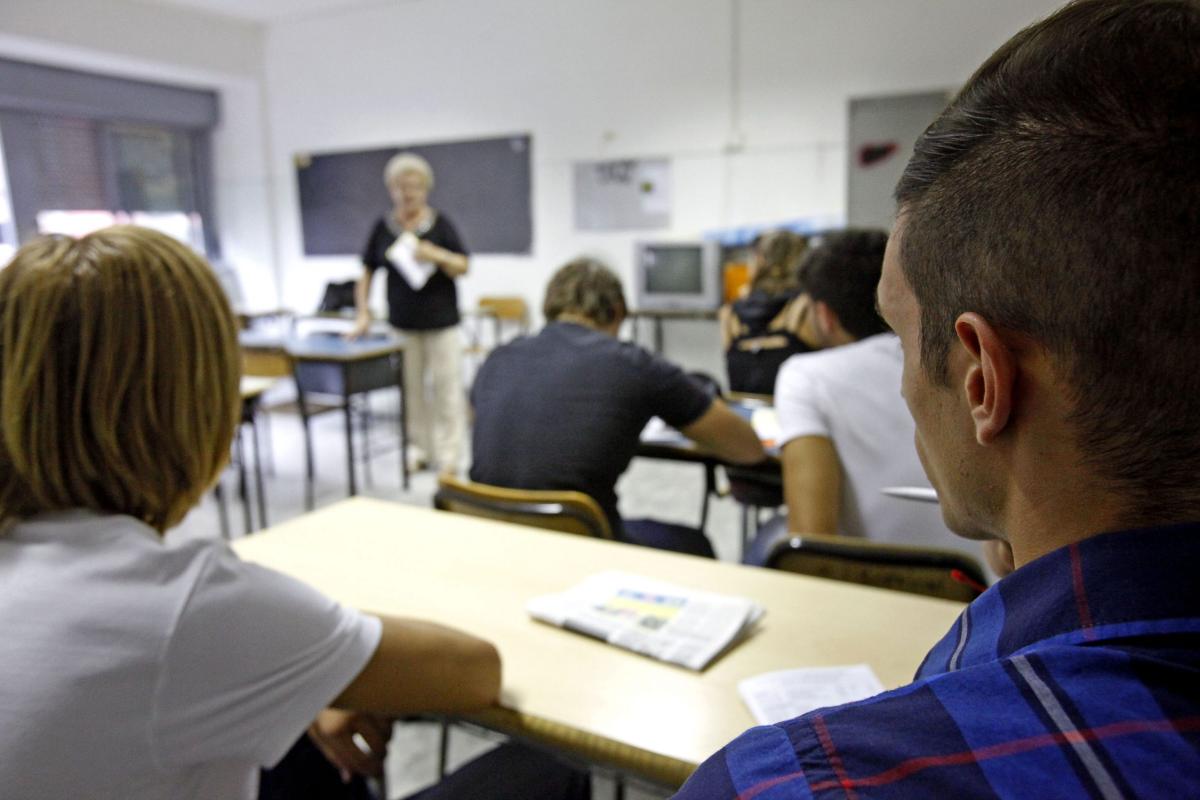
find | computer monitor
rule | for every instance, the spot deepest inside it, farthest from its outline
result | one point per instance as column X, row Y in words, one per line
column 671, row 276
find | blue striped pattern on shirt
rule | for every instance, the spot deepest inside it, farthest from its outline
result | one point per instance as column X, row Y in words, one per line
column 1076, row 676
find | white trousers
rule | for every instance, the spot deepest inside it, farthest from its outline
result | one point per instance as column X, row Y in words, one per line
column 433, row 394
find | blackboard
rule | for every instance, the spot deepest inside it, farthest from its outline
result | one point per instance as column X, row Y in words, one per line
column 483, row 185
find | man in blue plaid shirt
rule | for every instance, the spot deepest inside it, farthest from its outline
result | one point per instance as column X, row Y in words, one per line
column 1044, row 280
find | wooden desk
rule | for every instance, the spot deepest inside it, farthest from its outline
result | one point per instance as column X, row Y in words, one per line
column 677, row 447
column 572, row 693
column 328, row 364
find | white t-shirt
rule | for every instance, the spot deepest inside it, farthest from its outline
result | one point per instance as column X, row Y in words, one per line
column 132, row 668
column 851, row 395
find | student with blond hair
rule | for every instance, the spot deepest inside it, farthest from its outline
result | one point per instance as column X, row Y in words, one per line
column 134, row 666
column 772, row 321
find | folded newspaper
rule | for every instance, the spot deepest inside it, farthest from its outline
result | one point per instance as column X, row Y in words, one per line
column 661, row 620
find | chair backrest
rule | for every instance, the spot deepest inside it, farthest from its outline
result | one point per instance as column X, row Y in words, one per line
column 338, row 296
column 936, row 573
column 553, row 509
column 509, row 309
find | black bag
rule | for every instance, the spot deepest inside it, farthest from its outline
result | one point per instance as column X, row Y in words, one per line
column 337, row 296
column 762, row 342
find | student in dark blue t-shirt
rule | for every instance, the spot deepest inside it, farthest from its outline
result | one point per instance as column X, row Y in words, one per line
column 564, row 409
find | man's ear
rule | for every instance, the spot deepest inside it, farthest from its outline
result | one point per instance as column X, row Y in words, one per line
column 990, row 380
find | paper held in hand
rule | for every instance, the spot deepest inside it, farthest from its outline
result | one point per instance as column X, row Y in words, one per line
column 776, row 696
column 671, row 623
column 402, row 254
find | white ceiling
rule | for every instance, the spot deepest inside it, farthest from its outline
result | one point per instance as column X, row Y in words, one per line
column 274, row 10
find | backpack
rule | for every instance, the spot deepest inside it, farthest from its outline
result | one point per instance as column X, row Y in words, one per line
column 764, row 332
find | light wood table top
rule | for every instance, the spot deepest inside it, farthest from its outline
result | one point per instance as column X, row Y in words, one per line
column 599, row 701
column 253, row 386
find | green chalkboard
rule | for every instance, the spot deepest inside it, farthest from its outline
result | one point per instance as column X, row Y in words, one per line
column 483, row 186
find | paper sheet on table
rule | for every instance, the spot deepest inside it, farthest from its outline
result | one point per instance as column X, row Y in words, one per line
column 657, row 431
column 776, row 696
column 402, row 254
column 765, row 422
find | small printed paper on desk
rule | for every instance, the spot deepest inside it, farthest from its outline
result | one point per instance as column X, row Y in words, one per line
column 661, row 620
column 777, row 696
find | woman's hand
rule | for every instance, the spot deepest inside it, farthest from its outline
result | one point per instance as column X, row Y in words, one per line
column 362, row 323
column 427, row 251
column 449, row 262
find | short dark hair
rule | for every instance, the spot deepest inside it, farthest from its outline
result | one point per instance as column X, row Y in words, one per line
column 842, row 272
column 585, row 287
column 1059, row 197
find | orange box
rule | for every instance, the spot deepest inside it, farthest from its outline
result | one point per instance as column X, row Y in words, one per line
column 736, row 279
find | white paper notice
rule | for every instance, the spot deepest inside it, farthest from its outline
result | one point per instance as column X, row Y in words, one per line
column 654, row 182
column 402, row 253
column 777, row 696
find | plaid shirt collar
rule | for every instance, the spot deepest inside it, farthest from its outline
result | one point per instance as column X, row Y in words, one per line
column 1107, row 586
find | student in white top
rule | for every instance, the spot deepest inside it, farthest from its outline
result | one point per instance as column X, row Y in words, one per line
column 134, row 667
column 845, row 431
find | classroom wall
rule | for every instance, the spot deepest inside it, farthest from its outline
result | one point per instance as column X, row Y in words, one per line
column 754, row 123
column 172, row 45
column 755, row 139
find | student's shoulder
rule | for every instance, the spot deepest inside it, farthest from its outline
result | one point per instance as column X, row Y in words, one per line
column 875, row 351
column 863, row 746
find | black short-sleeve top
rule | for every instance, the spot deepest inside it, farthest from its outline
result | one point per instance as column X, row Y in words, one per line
column 434, row 305
column 564, row 410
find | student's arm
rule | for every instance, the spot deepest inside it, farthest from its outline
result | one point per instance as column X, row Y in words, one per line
column 725, row 318
column 423, row 667
column 725, row 435
column 362, row 311
column 812, row 484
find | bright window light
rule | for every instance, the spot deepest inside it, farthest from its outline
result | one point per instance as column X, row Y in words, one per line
column 74, row 223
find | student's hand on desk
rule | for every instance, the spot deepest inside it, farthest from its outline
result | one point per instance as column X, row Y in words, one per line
column 334, row 733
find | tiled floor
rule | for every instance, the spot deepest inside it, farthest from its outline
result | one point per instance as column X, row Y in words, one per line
column 650, row 488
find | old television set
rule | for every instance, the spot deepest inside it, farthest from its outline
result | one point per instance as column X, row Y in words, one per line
column 676, row 276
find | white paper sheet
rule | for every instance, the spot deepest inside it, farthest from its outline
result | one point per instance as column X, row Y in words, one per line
column 777, row 696
column 402, row 254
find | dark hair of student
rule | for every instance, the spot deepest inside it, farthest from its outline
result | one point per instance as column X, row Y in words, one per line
column 842, row 272
column 1059, row 197
column 585, row 287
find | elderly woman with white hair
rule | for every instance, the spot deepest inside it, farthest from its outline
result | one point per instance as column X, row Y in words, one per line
column 423, row 305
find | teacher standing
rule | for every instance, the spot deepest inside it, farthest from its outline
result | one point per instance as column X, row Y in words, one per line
column 427, row 314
